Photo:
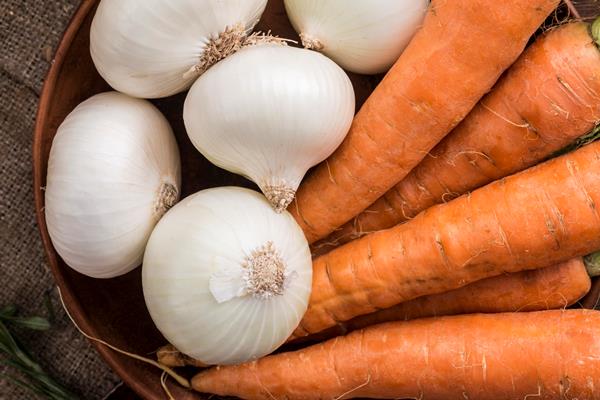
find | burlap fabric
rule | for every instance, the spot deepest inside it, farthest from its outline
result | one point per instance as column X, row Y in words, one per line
column 29, row 33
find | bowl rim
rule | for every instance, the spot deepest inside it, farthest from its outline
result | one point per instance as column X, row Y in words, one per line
column 109, row 356
column 112, row 358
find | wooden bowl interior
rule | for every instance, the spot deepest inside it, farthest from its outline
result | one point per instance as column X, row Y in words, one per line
column 114, row 309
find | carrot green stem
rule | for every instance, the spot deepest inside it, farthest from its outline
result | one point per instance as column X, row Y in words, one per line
column 595, row 31
column 592, row 264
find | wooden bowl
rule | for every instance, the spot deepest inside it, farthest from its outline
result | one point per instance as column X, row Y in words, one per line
column 114, row 309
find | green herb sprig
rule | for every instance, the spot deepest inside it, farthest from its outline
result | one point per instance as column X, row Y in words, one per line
column 13, row 354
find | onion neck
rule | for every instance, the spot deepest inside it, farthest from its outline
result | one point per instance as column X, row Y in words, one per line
column 279, row 195
column 167, row 198
column 226, row 43
column 264, row 272
column 310, row 42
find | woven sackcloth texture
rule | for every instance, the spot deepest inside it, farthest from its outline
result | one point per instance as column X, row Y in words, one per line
column 29, row 33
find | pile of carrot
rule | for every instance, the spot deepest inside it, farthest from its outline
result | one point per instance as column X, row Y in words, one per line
column 446, row 273
column 510, row 129
column 458, row 54
column 554, row 287
column 543, row 215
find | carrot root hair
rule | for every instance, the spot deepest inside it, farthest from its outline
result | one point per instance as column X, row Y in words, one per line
column 572, row 9
column 180, row 379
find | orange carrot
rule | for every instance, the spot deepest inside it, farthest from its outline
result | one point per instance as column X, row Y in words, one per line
column 548, row 288
column 549, row 97
column 512, row 356
column 541, row 216
column 452, row 61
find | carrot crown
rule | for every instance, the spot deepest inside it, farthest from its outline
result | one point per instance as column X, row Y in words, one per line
column 592, row 264
column 595, row 31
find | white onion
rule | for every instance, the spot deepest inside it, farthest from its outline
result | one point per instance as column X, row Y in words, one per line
column 270, row 112
column 202, row 276
column 145, row 47
column 363, row 36
column 112, row 173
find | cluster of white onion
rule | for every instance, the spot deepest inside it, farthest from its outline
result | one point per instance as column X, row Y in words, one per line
column 226, row 272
